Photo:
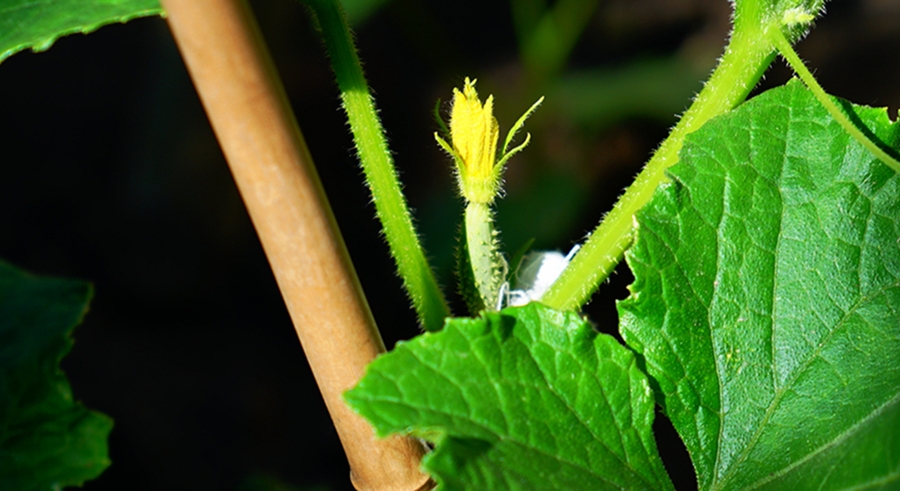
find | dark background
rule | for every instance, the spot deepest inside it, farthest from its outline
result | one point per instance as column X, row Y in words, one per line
column 111, row 173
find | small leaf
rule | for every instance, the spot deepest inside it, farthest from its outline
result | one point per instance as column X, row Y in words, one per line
column 766, row 300
column 525, row 398
column 46, row 439
column 37, row 24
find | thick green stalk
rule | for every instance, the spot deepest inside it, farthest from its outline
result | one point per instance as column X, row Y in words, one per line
column 378, row 166
column 488, row 265
column 746, row 58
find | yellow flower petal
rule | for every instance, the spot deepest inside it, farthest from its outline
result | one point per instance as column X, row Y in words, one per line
column 474, row 133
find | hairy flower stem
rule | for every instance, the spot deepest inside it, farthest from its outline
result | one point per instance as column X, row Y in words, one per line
column 475, row 133
column 745, row 60
column 378, row 167
column 486, row 260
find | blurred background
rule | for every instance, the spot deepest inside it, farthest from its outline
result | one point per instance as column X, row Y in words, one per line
column 111, row 174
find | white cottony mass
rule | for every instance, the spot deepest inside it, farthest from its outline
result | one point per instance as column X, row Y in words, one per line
column 537, row 272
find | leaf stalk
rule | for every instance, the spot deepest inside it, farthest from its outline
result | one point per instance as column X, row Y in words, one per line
column 746, row 58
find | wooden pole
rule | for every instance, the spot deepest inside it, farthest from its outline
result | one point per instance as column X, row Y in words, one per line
column 231, row 68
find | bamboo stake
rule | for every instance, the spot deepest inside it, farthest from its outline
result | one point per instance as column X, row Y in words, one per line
column 249, row 112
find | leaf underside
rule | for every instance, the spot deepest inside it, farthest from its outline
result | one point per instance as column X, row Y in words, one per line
column 527, row 398
column 37, row 24
column 766, row 300
column 46, row 439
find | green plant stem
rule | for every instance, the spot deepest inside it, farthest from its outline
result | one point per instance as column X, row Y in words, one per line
column 787, row 51
column 378, row 166
column 746, row 58
column 488, row 265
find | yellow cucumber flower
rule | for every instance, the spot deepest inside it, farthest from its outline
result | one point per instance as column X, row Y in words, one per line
column 474, row 134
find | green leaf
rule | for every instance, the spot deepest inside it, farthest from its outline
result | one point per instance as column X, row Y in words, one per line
column 37, row 24
column 525, row 398
column 46, row 439
column 766, row 300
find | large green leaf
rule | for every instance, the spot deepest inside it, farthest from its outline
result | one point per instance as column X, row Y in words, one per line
column 37, row 24
column 527, row 398
column 766, row 300
column 46, row 439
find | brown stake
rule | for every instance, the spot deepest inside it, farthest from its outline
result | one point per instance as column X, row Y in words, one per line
column 246, row 104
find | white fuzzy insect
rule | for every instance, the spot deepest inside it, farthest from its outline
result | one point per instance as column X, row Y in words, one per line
column 537, row 272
